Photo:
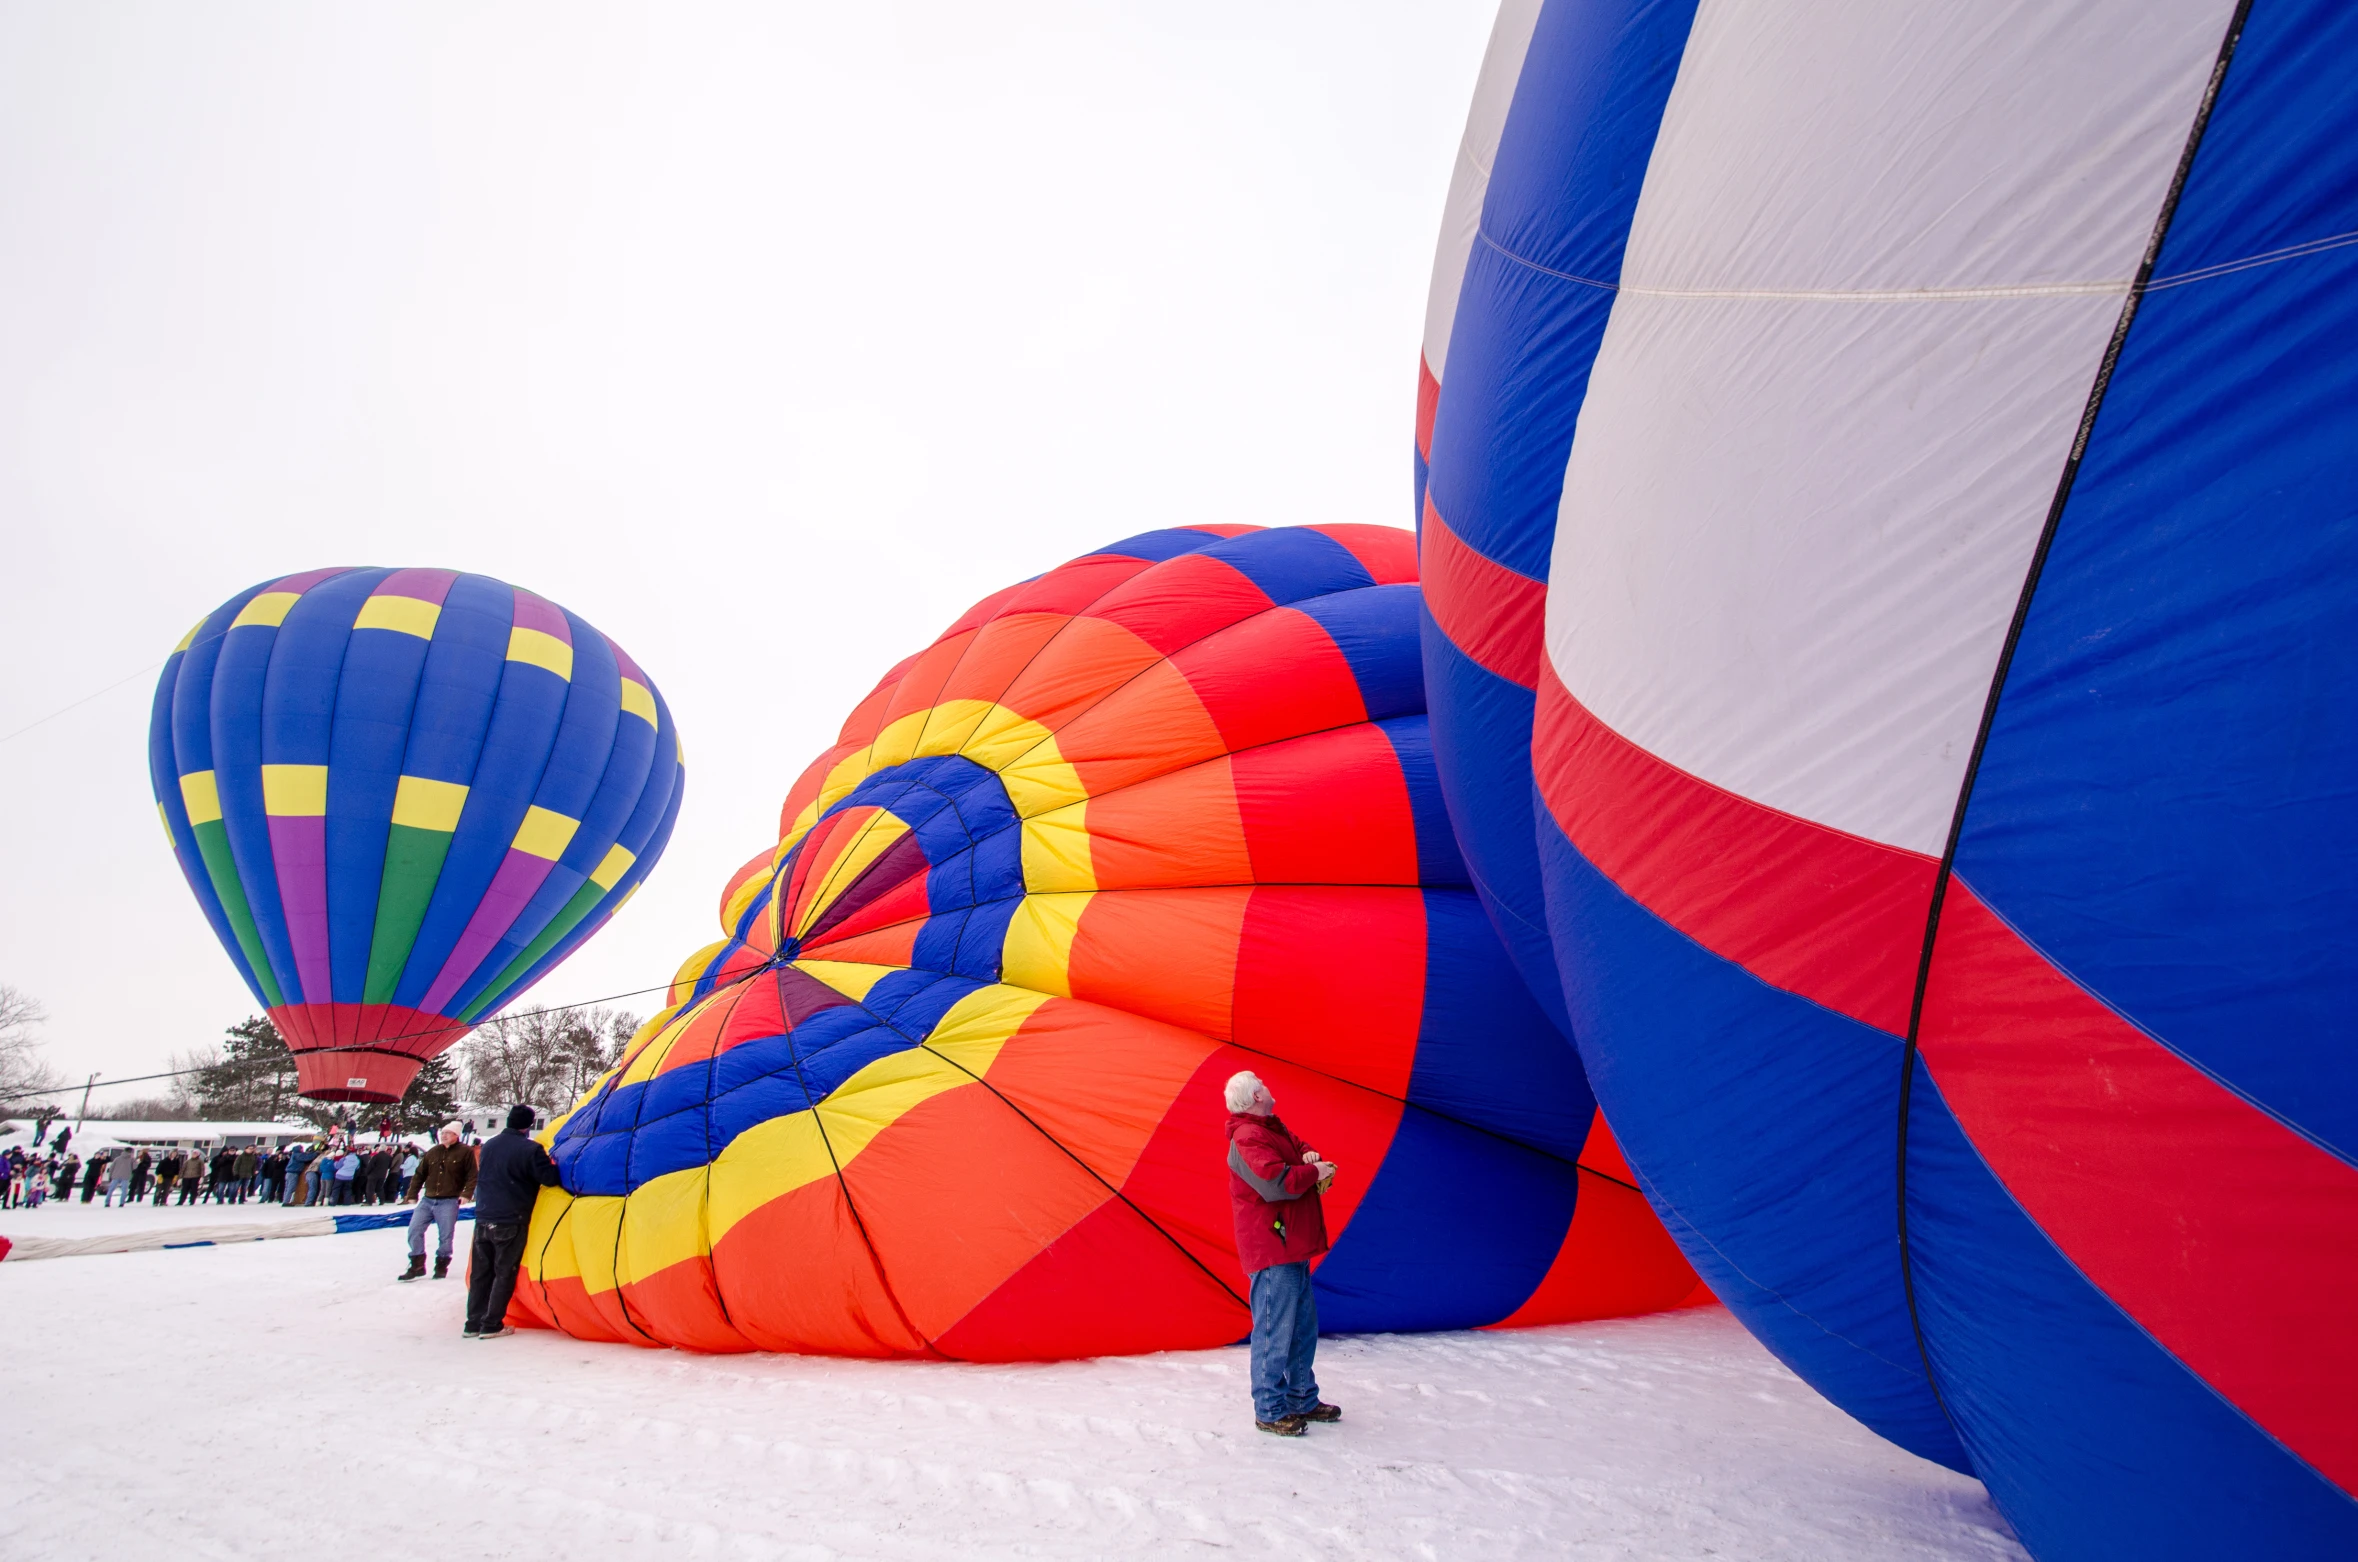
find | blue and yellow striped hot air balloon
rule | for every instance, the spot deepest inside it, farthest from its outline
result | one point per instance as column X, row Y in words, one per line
column 401, row 796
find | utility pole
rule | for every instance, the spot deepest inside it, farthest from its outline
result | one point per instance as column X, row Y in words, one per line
column 85, row 1112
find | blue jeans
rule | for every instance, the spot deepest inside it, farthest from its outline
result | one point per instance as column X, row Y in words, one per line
column 1285, row 1339
column 443, row 1213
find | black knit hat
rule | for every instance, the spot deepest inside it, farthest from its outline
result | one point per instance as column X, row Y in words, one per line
column 519, row 1116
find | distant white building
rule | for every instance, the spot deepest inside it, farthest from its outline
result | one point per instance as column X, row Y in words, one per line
column 98, row 1132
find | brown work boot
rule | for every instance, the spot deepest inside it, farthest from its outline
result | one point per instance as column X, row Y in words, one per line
column 1283, row 1426
column 1323, row 1412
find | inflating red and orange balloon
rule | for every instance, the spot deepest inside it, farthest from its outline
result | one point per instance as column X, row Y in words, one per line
column 951, row 1084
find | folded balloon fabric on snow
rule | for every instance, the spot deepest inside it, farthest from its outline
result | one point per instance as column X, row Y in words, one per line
column 951, row 1084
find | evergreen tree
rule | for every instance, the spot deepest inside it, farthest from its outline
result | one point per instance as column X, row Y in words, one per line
column 252, row 1077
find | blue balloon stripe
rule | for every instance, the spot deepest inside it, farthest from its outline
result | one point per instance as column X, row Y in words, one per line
column 1156, row 546
column 525, row 719
column 298, row 729
column 1438, row 860
column 644, row 835
column 1375, row 629
column 1790, row 1173
column 375, row 701
column 1486, row 1056
column 1418, row 1254
column 164, row 775
column 744, row 1085
column 1481, row 735
column 1292, row 563
column 585, row 741
column 239, row 680
column 1563, row 190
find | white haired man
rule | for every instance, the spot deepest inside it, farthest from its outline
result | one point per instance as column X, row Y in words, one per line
column 1273, row 1186
column 446, row 1175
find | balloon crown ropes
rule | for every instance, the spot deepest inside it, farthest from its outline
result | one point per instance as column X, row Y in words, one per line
column 401, row 796
column 951, row 1083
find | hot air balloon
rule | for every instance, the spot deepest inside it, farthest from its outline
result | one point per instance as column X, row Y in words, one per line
column 951, row 1084
column 401, row 796
column 1886, row 478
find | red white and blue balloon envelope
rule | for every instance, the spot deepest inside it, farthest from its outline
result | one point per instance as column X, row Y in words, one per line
column 951, row 1083
column 1888, row 482
column 401, row 796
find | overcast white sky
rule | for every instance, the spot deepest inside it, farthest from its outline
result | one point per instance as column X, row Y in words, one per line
column 765, row 337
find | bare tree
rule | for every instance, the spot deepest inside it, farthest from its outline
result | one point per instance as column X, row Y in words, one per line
column 25, row 1075
column 188, row 1067
column 546, row 1059
column 166, row 1108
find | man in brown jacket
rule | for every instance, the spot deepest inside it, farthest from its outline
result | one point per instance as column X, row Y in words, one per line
column 446, row 1175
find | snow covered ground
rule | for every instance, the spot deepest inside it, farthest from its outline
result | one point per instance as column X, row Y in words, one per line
column 209, row 1402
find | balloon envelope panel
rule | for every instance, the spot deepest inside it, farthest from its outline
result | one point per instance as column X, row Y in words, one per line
column 1906, row 456
column 400, row 796
column 950, row 1084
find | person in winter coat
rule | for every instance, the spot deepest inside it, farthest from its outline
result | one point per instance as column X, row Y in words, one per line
column 192, row 1175
column 139, row 1174
column 92, row 1169
column 298, row 1163
column 510, row 1171
column 347, row 1176
column 241, row 1174
column 445, row 1175
column 167, row 1176
column 1273, row 1186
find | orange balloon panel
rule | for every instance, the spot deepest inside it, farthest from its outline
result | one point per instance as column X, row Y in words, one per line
column 951, row 1084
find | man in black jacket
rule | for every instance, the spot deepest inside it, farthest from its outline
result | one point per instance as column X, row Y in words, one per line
column 509, row 1174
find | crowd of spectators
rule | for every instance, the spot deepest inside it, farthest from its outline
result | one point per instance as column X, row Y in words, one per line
column 315, row 1172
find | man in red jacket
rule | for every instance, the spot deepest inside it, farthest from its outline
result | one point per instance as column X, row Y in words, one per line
column 1273, row 1187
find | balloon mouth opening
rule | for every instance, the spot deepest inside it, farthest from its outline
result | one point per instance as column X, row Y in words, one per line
column 373, row 1078
column 364, row 1053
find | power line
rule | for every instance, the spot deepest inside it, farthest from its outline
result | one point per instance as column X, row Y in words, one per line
column 117, row 684
column 84, row 700
column 526, row 1014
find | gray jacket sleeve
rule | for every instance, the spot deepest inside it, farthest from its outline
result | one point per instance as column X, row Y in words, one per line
column 1272, row 1189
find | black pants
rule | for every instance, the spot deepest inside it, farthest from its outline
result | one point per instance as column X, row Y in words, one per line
column 491, row 1279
